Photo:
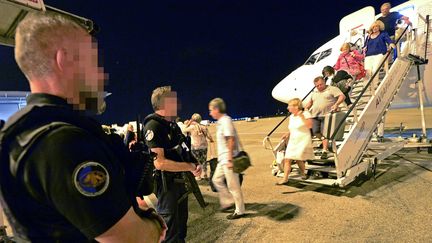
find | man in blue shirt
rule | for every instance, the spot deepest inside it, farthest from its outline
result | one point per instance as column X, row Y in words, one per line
column 390, row 18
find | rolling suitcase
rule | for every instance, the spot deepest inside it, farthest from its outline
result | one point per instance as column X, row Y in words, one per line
column 331, row 121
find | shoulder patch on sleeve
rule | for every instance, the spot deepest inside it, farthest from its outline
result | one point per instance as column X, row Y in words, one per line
column 91, row 178
column 149, row 135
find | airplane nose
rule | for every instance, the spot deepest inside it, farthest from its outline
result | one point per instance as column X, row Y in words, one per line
column 286, row 90
column 278, row 93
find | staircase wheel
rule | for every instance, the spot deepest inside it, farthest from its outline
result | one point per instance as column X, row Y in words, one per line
column 374, row 166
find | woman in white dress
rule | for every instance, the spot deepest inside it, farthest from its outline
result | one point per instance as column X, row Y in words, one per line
column 299, row 146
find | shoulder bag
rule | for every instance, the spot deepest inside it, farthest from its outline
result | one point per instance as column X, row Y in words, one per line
column 241, row 161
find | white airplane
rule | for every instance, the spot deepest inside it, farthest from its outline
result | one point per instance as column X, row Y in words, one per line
column 299, row 82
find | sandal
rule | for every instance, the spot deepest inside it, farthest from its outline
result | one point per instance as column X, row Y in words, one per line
column 282, row 183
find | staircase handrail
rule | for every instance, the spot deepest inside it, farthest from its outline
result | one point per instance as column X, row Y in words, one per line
column 342, row 121
column 287, row 115
column 427, row 34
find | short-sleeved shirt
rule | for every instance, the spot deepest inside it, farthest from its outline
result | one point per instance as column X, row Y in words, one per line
column 323, row 101
column 225, row 128
column 157, row 134
column 198, row 134
column 72, row 181
column 160, row 133
column 390, row 22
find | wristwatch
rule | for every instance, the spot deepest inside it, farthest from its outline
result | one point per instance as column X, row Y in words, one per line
column 151, row 213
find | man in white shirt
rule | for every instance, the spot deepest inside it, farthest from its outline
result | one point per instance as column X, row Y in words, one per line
column 228, row 145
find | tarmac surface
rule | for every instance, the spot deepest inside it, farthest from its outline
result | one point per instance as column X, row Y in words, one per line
column 393, row 207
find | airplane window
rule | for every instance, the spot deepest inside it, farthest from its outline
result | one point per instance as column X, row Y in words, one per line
column 311, row 60
column 325, row 54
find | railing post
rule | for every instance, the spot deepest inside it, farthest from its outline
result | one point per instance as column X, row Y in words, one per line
column 386, row 64
column 420, row 92
column 427, row 34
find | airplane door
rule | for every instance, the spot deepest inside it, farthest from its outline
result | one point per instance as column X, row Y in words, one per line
column 353, row 26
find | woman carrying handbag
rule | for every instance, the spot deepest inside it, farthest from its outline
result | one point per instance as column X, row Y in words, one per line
column 351, row 62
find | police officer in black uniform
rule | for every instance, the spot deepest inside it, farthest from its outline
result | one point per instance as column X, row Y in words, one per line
column 61, row 177
column 165, row 138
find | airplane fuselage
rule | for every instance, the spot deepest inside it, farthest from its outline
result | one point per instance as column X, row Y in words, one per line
column 352, row 29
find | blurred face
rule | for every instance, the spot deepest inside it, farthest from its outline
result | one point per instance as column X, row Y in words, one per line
column 292, row 107
column 85, row 80
column 320, row 85
column 375, row 29
column 385, row 10
column 170, row 105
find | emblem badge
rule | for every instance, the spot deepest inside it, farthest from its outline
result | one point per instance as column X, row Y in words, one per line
column 91, row 178
column 149, row 135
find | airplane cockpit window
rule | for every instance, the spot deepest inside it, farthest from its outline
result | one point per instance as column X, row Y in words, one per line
column 325, row 54
column 311, row 60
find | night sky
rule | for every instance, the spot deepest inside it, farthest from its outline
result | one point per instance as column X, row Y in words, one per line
column 236, row 50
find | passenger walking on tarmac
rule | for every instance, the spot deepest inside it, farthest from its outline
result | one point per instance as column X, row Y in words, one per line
column 62, row 179
column 164, row 137
column 323, row 100
column 199, row 135
column 181, row 124
column 375, row 47
column 230, row 193
column 299, row 146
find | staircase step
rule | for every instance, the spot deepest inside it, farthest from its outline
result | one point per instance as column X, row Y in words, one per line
column 328, row 169
column 357, row 89
column 322, row 162
column 363, row 96
column 313, row 179
column 351, row 115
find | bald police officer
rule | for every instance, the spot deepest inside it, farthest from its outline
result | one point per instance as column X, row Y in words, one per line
column 61, row 176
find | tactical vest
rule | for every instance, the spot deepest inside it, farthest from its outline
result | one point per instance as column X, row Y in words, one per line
column 179, row 145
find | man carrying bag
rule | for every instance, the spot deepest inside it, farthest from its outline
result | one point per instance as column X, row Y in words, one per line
column 230, row 194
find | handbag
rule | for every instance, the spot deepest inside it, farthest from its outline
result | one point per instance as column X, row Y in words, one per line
column 241, row 161
column 213, row 164
column 358, row 72
column 362, row 73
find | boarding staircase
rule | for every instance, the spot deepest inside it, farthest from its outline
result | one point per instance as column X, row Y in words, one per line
column 357, row 152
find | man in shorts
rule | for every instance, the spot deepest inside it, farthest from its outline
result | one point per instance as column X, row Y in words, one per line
column 324, row 99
